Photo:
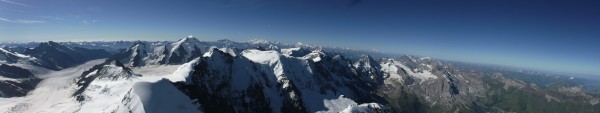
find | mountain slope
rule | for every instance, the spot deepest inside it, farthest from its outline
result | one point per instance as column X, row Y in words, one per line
column 19, row 71
column 56, row 56
column 7, row 56
column 108, row 87
column 15, row 81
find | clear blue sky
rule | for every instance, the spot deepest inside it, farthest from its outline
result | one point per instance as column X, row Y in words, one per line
column 541, row 34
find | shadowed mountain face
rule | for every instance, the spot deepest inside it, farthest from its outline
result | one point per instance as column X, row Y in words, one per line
column 16, row 81
column 56, row 56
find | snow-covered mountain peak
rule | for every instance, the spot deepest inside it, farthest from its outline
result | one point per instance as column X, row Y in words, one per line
column 273, row 47
column 345, row 105
column 184, row 50
column 111, row 70
column 393, row 66
column 425, row 58
column 367, row 67
column 231, row 51
column 213, row 49
column 295, row 52
column 189, row 39
column 12, row 57
column 210, row 52
column 214, row 52
column 187, row 43
column 262, row 57
column 315, row 55
column 115, row 72
column 107, row 87
column 137, row 52
column 420, row 64
column 366, row 61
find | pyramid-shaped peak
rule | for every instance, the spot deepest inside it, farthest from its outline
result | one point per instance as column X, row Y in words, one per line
column 189, row 39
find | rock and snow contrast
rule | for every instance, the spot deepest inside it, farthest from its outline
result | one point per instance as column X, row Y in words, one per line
column 193, row 76
column 21, row 69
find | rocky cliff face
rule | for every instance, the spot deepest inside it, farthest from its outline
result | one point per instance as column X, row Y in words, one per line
column 431, row 82
column 16, row 81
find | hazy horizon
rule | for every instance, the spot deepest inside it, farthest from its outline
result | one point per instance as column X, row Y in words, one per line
column 556, row 36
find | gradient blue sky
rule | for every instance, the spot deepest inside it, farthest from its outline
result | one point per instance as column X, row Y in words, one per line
column 542, row 34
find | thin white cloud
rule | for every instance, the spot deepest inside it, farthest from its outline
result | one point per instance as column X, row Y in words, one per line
column 30, row 21
column 16, row 3
column 19, row 21
column 4, row 19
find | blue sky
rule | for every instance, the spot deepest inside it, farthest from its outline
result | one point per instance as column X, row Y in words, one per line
column 549, row 35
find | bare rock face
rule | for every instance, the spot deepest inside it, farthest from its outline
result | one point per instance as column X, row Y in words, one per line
column 16, row 81
column 431, row 82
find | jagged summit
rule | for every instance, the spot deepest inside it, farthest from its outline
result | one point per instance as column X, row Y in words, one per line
column 184, row 50
column 366, row 61
column 156, row 53
column 216, row 51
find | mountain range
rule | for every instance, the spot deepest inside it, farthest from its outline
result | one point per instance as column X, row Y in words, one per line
column 192, row 76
